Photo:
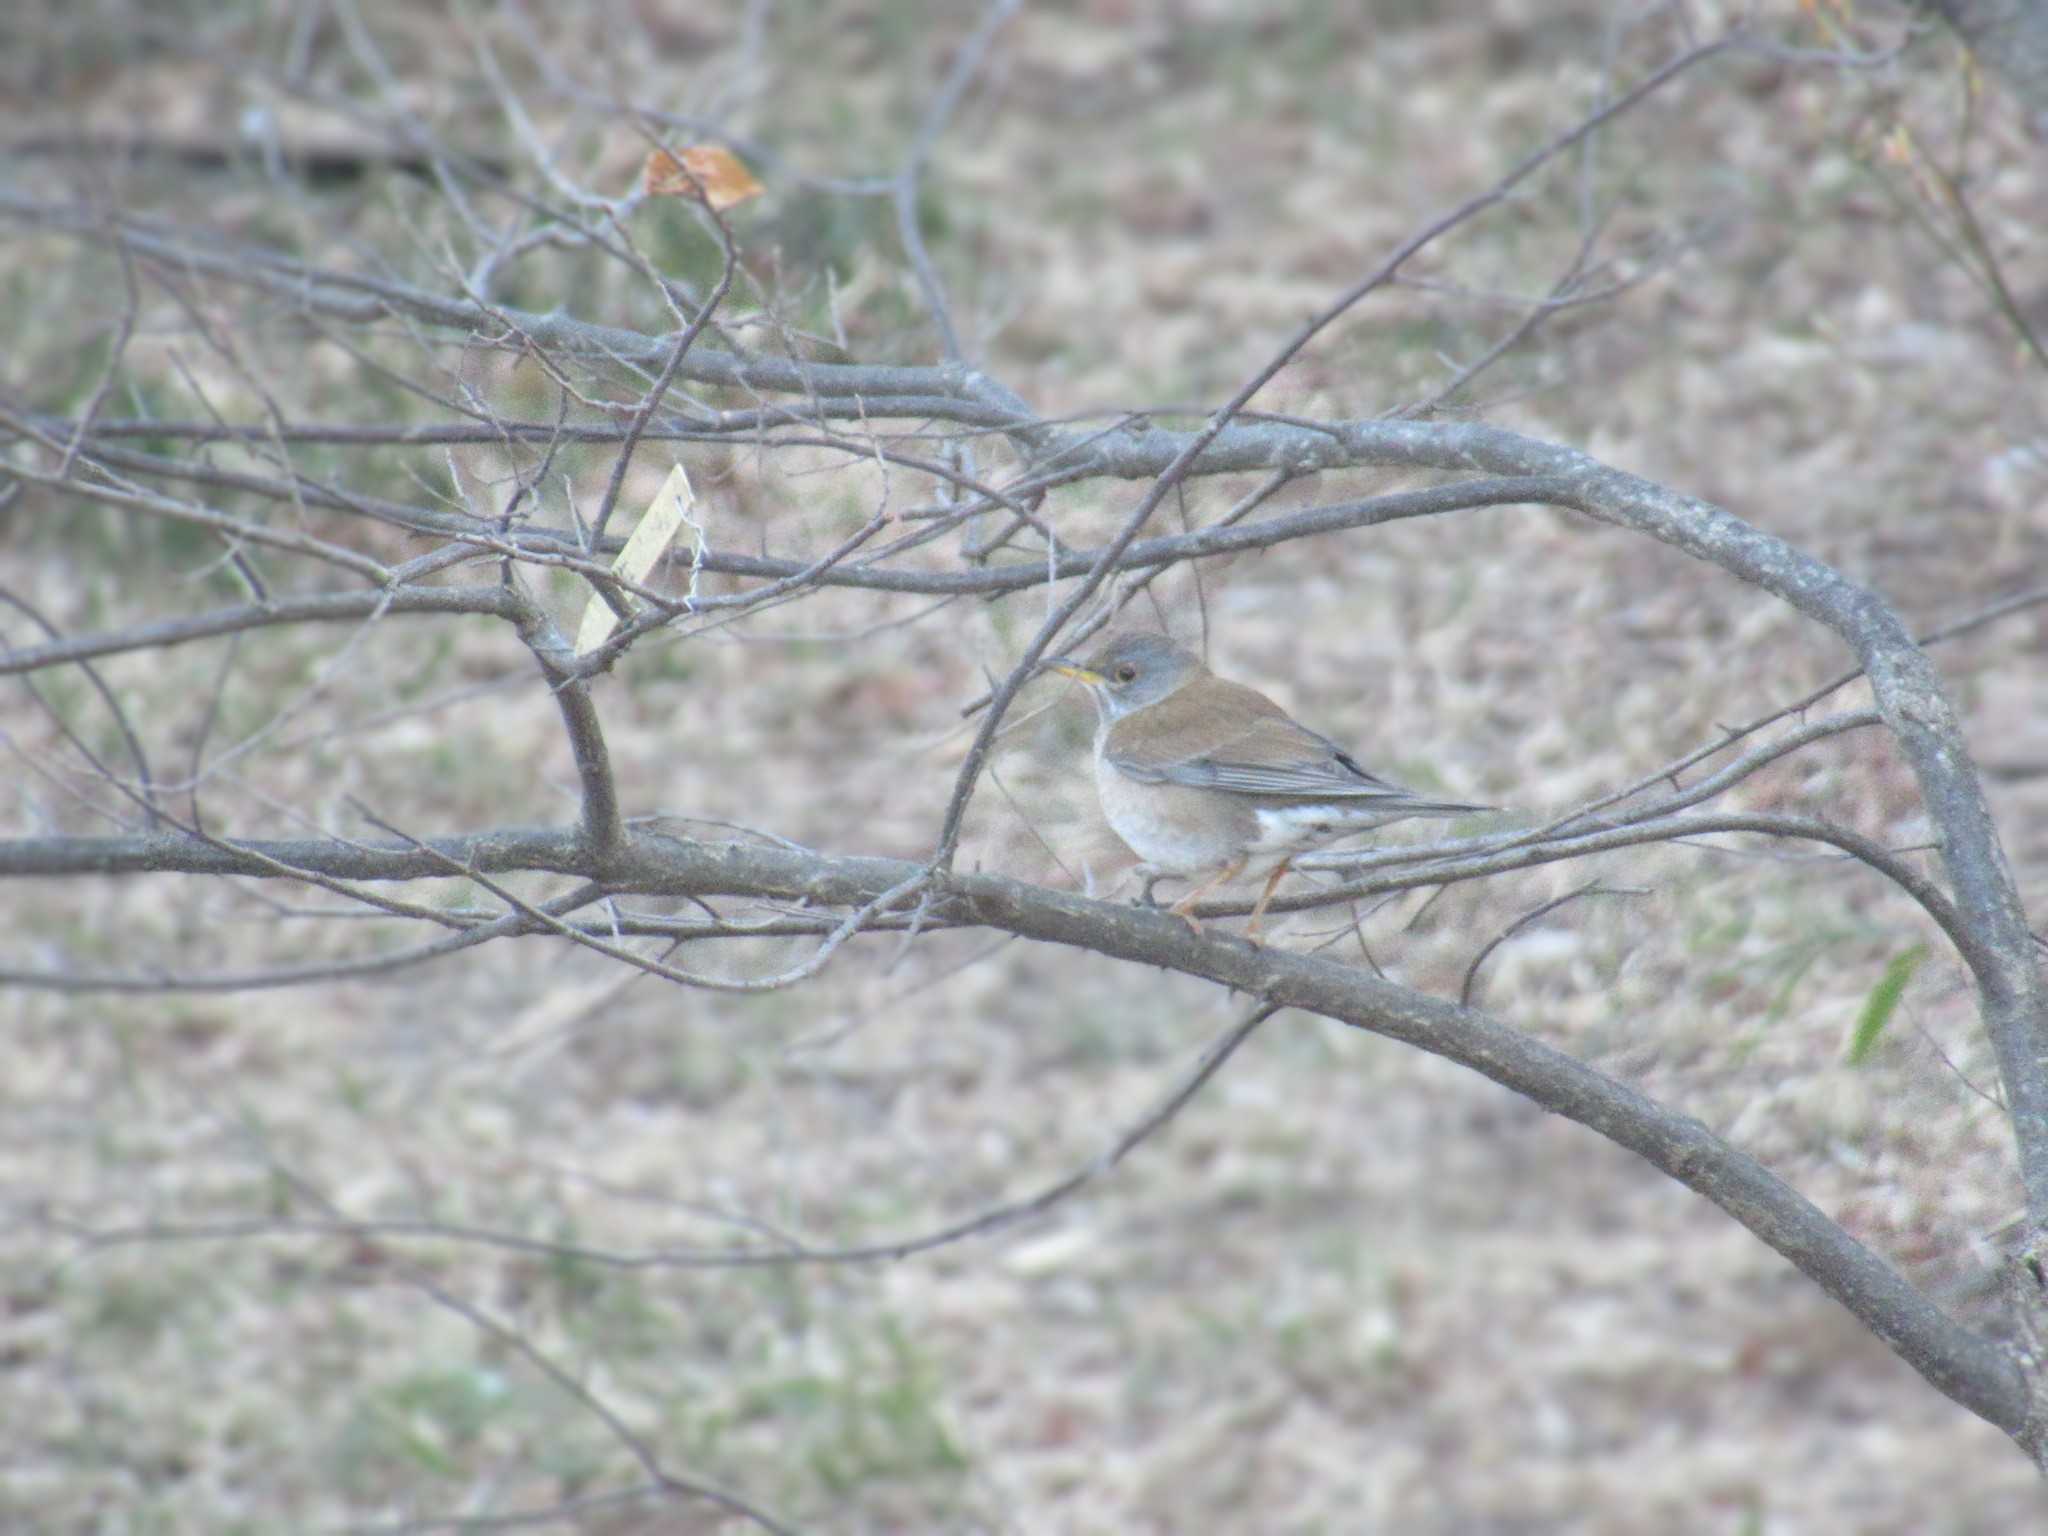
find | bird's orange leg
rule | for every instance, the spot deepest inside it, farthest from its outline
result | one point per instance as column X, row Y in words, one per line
column 1251, row 930
column 1185, row 907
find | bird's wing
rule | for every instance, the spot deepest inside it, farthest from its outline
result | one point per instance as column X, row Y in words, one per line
column 1263, row 753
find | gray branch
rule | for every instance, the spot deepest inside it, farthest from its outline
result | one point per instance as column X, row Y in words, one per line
column 1968, row 1368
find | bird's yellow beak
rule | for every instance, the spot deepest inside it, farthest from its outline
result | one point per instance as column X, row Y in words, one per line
column 1078, row 673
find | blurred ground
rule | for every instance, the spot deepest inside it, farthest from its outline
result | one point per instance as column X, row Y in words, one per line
column 1351, row 1288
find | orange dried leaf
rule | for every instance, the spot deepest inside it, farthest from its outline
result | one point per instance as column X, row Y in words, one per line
column 704, row 173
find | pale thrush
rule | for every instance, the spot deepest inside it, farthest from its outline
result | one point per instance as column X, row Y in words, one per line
column 1201, row 776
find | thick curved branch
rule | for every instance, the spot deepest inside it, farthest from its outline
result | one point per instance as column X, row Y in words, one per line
column 1972, row 1370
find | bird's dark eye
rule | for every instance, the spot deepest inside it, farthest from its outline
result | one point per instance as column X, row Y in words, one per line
column 1125, row 672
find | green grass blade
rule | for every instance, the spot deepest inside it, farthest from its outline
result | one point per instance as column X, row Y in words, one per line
column 1882, row 1002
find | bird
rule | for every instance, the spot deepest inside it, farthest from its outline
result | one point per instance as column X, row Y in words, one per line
column 1202, row 776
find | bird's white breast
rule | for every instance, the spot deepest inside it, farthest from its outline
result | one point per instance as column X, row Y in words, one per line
column 1174, row 829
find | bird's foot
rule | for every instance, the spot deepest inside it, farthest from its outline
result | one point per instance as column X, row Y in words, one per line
column 1184, row 909
column 1181, row 910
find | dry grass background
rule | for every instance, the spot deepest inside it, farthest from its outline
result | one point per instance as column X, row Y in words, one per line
column 1352, row 1288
